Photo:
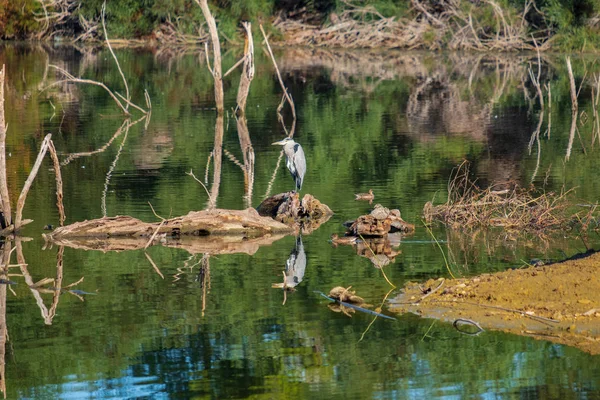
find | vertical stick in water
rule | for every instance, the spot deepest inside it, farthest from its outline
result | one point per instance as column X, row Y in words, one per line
column 214, row 37
column 217, row 160
column 59, row 184
column 574, row 109
column 248, row 69
column 6, row 251
column 29, row 181
column 4, row 196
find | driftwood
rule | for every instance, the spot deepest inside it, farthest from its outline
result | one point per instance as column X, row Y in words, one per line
column 380, row 222
column 197, row 223
column 306, row 215
column 345, row 294
column 212, row 244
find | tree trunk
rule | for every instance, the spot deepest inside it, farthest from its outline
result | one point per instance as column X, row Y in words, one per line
column 214, row 38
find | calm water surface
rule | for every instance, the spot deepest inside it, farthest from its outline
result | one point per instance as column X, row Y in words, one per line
column 214, row 327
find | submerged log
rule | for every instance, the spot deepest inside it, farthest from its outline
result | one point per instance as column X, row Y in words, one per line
column 197, row 223
column 380, row 222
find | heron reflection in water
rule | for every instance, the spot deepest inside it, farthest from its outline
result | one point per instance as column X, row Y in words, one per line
column 294, row 268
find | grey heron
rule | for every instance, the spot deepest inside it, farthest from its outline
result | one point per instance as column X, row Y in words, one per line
column 295, row 160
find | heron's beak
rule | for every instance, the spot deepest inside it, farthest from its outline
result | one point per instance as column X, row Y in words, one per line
column 281, row 143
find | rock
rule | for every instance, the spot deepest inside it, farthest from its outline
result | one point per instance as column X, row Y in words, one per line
column 380, row 222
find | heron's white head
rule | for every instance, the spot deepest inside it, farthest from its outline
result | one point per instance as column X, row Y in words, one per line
column 285, row 141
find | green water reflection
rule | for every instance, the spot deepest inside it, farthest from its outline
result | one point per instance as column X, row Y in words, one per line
column 214, row 326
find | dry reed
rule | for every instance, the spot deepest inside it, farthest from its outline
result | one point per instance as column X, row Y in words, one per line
column 471, row 207
column 431, row 26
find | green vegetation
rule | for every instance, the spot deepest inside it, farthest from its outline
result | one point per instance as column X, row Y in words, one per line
column 141, row 335
column 563, row 24
column 17, row 18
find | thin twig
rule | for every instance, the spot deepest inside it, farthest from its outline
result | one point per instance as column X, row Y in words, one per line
column 441, row 250
column 127, row 96
column 430, row 293
column 230, row 70
column 273, row 176
column 129, row 103
column 376, row 316
column 110, row 171
column 162, row 222
column 71, row 78
column 148, row 100
column 73, row 156
column 207, row 59
column 191, row 173
column 59, row 183
column 285, row 91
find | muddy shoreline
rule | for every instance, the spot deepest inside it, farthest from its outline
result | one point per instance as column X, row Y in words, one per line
column 558, row 302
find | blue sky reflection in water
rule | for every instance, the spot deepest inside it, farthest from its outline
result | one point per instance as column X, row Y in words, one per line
column 214, row 326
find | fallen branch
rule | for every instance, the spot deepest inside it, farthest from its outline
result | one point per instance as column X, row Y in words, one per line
column 71, row 78
column 29, row 181
column 59, row 184
column 196, row 223
column 162, row 222
column 73, row 156
column 127, row 97
column 285, row 91
column 154, row 265
column 191, row 173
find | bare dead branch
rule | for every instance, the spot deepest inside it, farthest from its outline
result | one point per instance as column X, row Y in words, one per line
column 214, row 37
column 71, row 78
column 4, row 196
column 59, row 183
column 154, row 265
column 285, row 91
column 110, row 171
column 29, row 181
column 127, row 96
column 248, row 70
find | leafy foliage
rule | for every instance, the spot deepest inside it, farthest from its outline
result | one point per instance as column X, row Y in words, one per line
column 567, row 20
column 18, row 18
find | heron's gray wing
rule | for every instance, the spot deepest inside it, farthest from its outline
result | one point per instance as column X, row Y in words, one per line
column 299, row 162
